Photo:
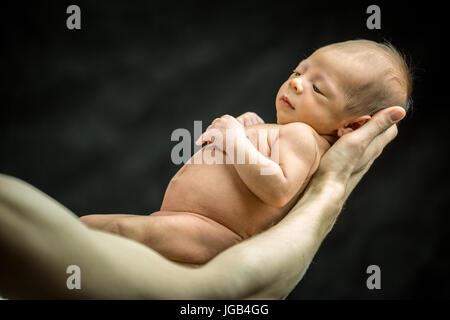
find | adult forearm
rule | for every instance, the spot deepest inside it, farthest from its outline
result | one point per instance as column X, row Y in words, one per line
column 271, row 264
column 40, row 238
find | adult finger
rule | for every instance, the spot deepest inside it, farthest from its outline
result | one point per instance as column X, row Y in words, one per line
column 379, row 123
column 355, row 178
column 379, row 142
column 376, row 146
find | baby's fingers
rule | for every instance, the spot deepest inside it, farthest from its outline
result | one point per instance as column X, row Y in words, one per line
column 245, row 121
column 258, row 119
column 200, row 140
column 207, row 136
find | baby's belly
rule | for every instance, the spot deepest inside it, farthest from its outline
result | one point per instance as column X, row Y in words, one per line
column 217, row 192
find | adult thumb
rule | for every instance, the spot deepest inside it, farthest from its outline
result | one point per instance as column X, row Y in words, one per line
column 397, row 114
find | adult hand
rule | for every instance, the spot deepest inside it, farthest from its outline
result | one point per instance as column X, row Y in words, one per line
column 352, row 155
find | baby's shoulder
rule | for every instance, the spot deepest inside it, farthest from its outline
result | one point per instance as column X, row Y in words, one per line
column 298, row 137
column 296, row 126
column 304, row 138
column 298, row 131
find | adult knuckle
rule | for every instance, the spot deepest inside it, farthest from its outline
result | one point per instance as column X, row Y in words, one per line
column 394, row 131
column 360, row 148
column 378, row 153
column 389, row 135
column 381, row 123
column 356, row 146
column 379, row 145
column 352, row 142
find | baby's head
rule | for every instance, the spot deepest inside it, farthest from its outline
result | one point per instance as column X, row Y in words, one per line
column 340, row 86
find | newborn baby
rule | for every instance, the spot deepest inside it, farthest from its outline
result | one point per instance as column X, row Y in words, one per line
column 210, row 207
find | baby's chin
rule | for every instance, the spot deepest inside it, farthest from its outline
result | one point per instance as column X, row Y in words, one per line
column 282, row 121
column 286, row 121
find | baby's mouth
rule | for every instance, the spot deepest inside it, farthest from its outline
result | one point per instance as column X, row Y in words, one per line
column 285, row 101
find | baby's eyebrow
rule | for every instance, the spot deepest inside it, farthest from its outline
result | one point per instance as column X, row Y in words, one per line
column 303, row 61
column 320, row 77
column 330, row 88
column 326, row 81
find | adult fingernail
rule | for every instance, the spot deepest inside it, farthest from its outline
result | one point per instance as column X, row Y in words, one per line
column 396, row 115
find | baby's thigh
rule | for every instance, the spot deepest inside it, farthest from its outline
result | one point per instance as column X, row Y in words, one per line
column 185, row 237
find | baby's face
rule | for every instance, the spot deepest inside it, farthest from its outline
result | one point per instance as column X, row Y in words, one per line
column 315, row 90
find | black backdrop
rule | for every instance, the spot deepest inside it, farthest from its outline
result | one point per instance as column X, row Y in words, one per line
column 86, row 116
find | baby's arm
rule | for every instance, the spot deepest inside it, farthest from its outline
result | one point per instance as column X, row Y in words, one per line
column 297, row 159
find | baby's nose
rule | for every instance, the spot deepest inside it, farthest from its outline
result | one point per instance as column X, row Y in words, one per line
column 296, row 84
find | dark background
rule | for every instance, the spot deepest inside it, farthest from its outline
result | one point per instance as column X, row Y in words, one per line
column 86, row 116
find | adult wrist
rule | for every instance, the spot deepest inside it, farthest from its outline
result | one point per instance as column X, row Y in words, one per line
column 328, row 183
column 323, row 199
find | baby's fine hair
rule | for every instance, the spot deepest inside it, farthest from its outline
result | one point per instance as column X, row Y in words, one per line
column 394, row 88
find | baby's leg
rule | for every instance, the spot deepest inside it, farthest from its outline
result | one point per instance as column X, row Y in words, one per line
column 179, row 236
column 100, row 221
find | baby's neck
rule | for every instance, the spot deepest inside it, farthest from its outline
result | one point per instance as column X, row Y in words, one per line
column 330, row 138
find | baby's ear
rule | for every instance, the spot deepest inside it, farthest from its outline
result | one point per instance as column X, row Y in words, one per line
column 353, row 124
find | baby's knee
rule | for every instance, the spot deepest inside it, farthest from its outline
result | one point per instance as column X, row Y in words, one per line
column 85, row 220
column 125, row 228
column 90, row 221
column 114, row 226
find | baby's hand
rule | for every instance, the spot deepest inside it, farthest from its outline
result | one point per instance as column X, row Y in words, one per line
column 249, row 119
column 220, row 128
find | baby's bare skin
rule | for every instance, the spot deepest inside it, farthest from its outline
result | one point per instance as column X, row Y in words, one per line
column 209, row 207
column 194, row 224
column 204, row 188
